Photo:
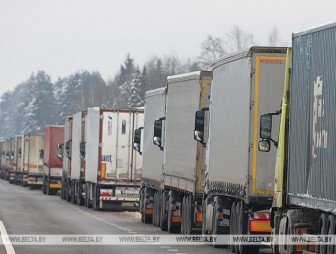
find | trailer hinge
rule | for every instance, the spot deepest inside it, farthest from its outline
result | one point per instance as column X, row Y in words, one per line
column 251, row 104
column 250, row 147
column 101, row 116
column 252, row 72
column 100, row 145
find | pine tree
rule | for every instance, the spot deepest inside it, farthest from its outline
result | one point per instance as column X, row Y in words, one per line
column 136, row 87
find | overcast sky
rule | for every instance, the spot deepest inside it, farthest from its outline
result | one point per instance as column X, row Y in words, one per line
column 63, row 36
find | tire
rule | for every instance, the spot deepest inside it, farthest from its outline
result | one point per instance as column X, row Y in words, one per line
column 171, row 228
column 184, row 210
column 73, row 195
column 88, row 203
column 155, row 209
column 44, row 187
column 188, row 216
column 323, row 231
column 233, row 224
column 242, row 229
column 95, row 205
column 331, row 232
column 163, row 221
column 80, row 200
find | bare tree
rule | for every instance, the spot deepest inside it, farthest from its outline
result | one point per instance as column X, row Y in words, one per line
column 238, row 39
column 273, row 39
column 211, row 49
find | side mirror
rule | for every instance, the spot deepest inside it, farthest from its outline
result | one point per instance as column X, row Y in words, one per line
column 199, row 126
column 20, row 152
column 82, row 150
column 67, row 149
column 60, row 151
column 264, row 145
column 157, row 139
column 137, row 140
column 266, row 126
column 41, row 154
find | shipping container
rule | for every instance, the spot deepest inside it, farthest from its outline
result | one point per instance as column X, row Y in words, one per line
column 18, row 160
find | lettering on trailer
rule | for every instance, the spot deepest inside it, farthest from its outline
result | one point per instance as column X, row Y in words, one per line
column 109, row 126
column 270, row 61
column 320, row 137
column 107, row 158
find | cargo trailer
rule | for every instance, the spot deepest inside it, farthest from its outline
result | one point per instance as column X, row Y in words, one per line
column 52, row 164
column 18, row 160
column 304, row 192
column 33, row 145
column 77, row 176
column 182, row 181
column 11, row 160
column 152, row 157
column 112, row 168
column 65, row 153
column 238, row 185
column 2, row 159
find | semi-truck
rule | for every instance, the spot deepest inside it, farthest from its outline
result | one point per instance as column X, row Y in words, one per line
column 304, row 185
column 112, row 167
column 11, row 160
column 18, row 160
column 65, row 153
column 52, row 164
column 77, row 175
column 238, row 184
column 8, row 152
column 32, row 162
column 2, row 159
column 152, row 157
column 182, row 173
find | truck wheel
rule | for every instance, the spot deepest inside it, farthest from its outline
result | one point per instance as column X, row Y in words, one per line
column 80, row 200
column 63, row 189
column 233, row 224
column 68, row 191
column 155, row 209
column 73, row 195
column 95, row 205
column 163, row 212
column 87, row 196
column 331, row 232
column 171, row 228
column 242, row 229
column 44, row 187
column 323, row 231
column 183, row 212
column 188, row 215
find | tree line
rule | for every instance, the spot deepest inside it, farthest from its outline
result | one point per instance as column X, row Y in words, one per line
column 39, row 101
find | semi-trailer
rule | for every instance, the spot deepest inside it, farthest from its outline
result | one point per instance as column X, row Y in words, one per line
column 77, row 175
column 65, row 153
column 11, row 160
column 238, row 184
column 52, row 164
column 181, row 190
column 112, row 167
column 33, row 145
column 152, row 157
column 18, row 160
column 7, row 159
column 304, row 185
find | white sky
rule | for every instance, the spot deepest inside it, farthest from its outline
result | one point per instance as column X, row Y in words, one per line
column 63, row 36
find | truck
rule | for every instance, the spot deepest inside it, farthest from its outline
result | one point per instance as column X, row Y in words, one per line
column 7, row 159
column 18, row 160
column 3, row 158
column 11, row 159
column 33, row 144
column 304, row 199
column 77, row 175
column 112, row 167
column 182, row 181
column 152, row 157
column 238, row 184
column 65, row 153
column 52, row 164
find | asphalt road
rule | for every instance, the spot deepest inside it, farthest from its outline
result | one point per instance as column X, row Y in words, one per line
column 29, row 212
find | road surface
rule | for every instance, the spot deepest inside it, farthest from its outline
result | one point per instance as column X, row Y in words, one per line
column 29, row 212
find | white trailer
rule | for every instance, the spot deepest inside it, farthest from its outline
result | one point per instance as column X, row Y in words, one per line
column 152, row 157
column 112, row 168
column 77, row 175
column 64, row 152
column 182, row 182
column 18, row 160
column 32, row 160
